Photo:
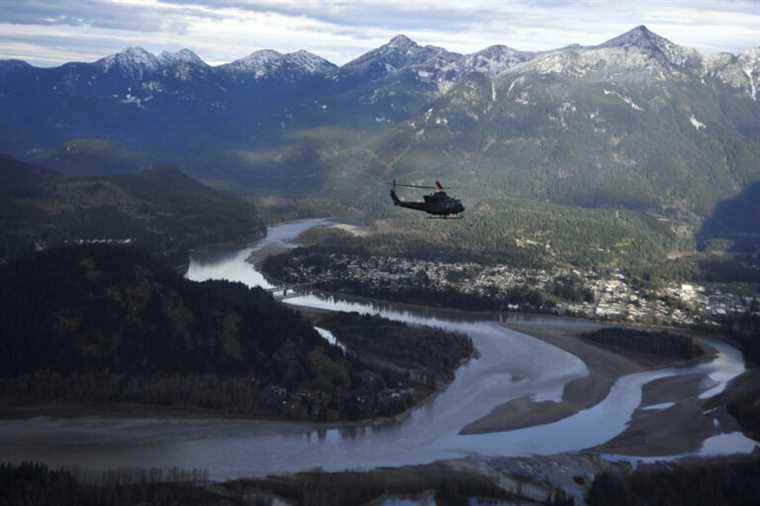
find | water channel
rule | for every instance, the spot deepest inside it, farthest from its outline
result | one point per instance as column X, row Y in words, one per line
column 511, row 365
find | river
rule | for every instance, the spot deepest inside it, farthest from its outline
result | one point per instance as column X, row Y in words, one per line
column 511, row 365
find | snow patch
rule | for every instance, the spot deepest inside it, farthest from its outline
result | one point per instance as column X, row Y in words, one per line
column 696, row 123
column 514, row 83
column 131, row 99
column 628, row 100
column 153, row 86
column 752, row 85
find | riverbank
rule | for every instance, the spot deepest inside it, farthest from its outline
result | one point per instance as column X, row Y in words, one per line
column 605, row 368
column 557, row 480
column 678, row 431
column 512, row 365
column 400, row 368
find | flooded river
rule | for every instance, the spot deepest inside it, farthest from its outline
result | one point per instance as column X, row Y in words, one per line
column 511, row 365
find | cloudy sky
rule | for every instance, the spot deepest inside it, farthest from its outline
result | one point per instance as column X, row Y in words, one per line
column 50, row 32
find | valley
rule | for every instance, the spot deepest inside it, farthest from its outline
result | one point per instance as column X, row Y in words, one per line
column 208, row 296
column 508, row 366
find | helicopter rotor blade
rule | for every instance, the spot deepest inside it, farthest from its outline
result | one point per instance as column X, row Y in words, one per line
column 438, row 187
column 417, row 186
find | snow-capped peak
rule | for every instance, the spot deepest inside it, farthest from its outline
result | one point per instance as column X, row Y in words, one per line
column 493, row 59
column 137, row 53
column 399, row 53
column 401, row 41
column 310, row 63
column 643, row 39
column 133, row 61
column 640, row 37
column 257, row 62
column 185, row 56
column 267, row 62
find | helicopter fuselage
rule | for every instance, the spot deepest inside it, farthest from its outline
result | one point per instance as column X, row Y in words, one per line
column 438, row 204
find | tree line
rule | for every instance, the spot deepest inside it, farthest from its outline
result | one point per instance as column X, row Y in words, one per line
column 717, row 482
column 113, row 324
column 35, row 484
column 659, row 346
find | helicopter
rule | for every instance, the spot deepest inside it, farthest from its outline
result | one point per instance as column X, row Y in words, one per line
column 437, row 203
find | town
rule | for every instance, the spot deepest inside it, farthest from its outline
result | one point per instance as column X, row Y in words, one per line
column 603, row 295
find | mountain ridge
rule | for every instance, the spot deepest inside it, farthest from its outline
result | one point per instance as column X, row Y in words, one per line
column 639, row 36
column 635, row 121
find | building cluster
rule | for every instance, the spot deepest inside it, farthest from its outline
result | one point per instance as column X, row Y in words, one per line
column 615, row 297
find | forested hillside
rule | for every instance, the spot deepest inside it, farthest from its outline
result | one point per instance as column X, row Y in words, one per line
column 95, row 157
column 162, row 210
column 523, row 233
column 735, row 223
column 95, row 323
column 96, row 307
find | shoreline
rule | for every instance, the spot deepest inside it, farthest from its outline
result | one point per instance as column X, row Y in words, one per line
column 116, row 410
column 605, row 368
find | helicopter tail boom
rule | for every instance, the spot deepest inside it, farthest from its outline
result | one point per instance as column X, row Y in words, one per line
column 420, row 206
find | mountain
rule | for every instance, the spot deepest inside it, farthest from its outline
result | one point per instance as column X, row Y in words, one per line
column 735, row 221
column 637, row 121
column 171, row 104
column 643, row 40
column 132, row 63
column 493, row 60
column 161, row 209
column 399, row 54
column 268, row 64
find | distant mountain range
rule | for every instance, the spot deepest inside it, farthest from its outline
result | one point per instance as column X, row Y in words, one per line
column 636, row 121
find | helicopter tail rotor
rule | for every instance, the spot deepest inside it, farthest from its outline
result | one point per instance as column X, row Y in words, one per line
column 394, row 197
